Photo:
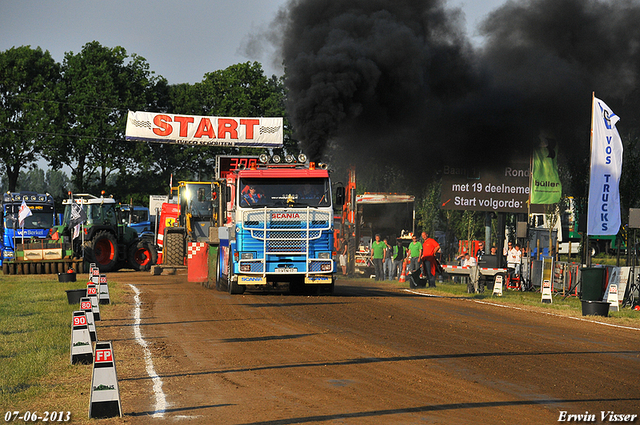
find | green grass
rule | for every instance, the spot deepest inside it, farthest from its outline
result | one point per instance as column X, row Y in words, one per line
column 35, row 334
column 570, row 304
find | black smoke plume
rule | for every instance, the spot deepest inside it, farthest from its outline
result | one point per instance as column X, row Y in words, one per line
column 399, row 82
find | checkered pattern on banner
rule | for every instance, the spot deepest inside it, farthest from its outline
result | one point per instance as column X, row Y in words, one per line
column 194, row 247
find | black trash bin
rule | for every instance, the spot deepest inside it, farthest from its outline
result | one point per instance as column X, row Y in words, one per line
column 595, row 308
column 592, row 283
column 74, row 295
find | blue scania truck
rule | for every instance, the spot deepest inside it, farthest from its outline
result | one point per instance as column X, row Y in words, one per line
column 279, row 227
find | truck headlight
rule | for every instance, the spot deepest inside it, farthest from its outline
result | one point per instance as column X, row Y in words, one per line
column 246, row 256
column 325, row 267
column 324, row 255
column 245, row 267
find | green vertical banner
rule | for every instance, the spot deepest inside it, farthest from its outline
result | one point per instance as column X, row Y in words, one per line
column 545, row 182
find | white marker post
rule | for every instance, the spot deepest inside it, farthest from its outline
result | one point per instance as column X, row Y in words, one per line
column 105, row 394
column 612, row 297
column 81, row 350
column 103, row 290
column 546, row 292
column 95, row 275
column 497, row 286
column 85, row 306
column 92, row 293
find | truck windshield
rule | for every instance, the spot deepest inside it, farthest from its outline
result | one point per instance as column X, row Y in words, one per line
column 37, row 220
column 279, row 192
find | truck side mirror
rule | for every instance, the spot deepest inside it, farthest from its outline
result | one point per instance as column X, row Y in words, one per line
column 339, row 196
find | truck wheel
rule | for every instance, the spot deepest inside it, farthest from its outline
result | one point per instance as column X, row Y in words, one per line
column 5, row 268
column 142, row 255
column 217, row 271
column 102, row 250
column 173, row 254
column 232, row 286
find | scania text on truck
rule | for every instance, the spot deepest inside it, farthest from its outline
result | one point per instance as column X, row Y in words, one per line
column 279, row 229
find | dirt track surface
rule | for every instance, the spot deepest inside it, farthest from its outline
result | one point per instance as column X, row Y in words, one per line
column 371, row 353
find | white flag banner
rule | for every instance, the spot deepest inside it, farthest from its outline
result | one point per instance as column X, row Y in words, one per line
column 204, row 131
column 24, row 212
column 606, row 166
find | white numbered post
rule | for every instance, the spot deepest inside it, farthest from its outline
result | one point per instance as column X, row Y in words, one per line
column 103, row 290
column 105, row 394
column 497, row 286
column 92, row 293
column 612, row 298
column 81, row 350
column 85, row 306
column 546, row 292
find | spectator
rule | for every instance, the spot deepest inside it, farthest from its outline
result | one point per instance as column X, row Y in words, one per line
column 428, row 258
column 513, row 258
column 388, row 260
column 377, row 257
column 494, row 250
column 413, row 253
column 342, row 254
column 398, row 257
column 471, row 262
column 480, row 252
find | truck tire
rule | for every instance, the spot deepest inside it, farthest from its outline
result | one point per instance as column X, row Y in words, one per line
column 142, row 255
column 173, row 254
column 217, row 271
column 5, row 268
column 232, row 286
column 102, row 250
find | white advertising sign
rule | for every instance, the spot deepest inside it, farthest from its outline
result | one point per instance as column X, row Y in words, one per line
column 204, row 131
column 603, row 216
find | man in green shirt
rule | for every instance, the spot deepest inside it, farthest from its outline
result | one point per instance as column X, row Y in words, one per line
column 377, row 257
column 414, row 252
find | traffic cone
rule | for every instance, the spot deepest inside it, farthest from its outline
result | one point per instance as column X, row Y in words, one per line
column 403, row 277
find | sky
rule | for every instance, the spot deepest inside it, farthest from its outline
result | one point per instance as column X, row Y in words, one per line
column 181, row 40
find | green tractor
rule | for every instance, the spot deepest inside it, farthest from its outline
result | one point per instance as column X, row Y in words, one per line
column 104, row 237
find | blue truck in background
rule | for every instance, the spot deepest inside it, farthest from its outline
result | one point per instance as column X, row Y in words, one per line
column 24, row 249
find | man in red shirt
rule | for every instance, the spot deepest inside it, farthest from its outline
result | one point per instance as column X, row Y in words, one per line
column 430, row 248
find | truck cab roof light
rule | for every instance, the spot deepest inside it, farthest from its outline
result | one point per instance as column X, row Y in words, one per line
column 312, row 165
column 302, row 158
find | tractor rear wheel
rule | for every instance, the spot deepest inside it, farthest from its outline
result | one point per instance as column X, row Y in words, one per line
column 102, row 250
column 142, row 255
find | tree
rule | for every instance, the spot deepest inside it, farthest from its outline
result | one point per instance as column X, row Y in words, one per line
column 28, row 81
column 100, row 84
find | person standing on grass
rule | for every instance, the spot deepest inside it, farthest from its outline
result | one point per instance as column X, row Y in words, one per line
column 377, row 257
column 413, row 253
column 430, row 247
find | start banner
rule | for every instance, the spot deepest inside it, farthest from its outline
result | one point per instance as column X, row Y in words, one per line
column 204, row 131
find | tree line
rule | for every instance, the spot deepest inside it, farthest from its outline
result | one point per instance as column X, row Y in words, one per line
column 73, row 114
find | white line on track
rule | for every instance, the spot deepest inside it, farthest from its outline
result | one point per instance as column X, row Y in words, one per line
column 161, row 401
column 523, row 309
